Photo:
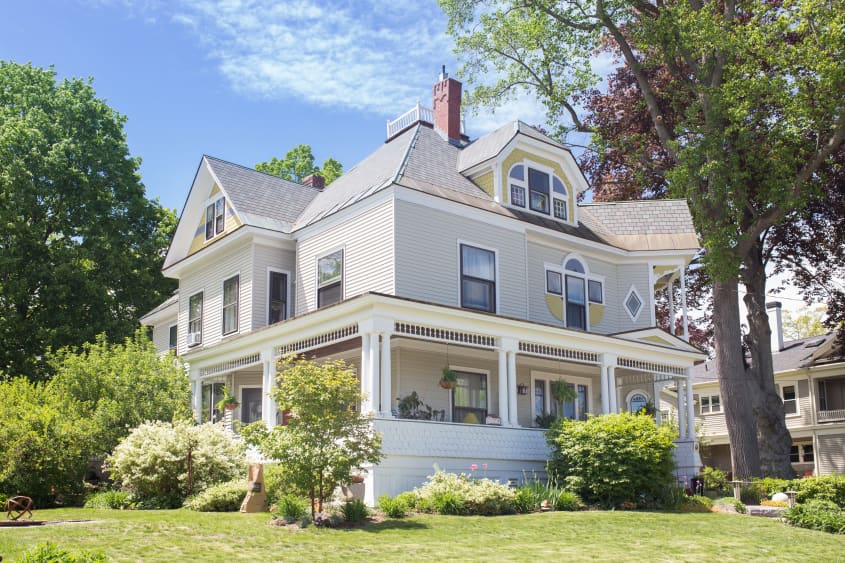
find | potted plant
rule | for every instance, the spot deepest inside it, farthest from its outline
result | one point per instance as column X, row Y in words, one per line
column 562, row 392
column 228, row 401
column 449, row 379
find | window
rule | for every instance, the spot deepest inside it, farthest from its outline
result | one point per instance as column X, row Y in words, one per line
column 230, row 305
column 637, row 402
column 554, row 282
column 596, row 291
column 215, row 218
column 478, row 278
column 172, row 336
column 808, row 452
column 329, row 279
column 544, row 403
column 709, row 404
column 546, row 193
column 250, row 404
column 469, row 397
column 801, row 453
column 790, row 401
column 277, row 297
column 195, row 319
column 633, row 303
column 212, row 393
column 577, row 287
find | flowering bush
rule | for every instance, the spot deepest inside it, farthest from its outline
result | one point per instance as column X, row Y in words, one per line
column 453, row 493
column 153, row 460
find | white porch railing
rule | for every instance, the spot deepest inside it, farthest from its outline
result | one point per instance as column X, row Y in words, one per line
column 413, row 115
column 831, row 415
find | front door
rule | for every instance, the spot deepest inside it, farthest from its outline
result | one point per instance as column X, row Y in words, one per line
column 250, row 404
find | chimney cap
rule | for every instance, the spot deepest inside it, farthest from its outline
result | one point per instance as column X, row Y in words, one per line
column 774, row 305
column 443, row 74
column 314, row 181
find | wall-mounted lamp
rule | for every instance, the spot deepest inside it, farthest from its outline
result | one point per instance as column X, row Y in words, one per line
column 522, row 389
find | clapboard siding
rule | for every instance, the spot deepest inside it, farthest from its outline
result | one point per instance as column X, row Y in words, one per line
column 209, row 279
column 265, row 259
column 428, row 262
column 161, row 334
column 367, row 243
column 831, row 453
column 636, row 275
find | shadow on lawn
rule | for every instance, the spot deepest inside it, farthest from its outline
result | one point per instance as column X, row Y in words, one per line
column 385, row 525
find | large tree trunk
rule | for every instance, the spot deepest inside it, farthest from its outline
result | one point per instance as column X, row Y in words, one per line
column 773, row 435
column 734, row 381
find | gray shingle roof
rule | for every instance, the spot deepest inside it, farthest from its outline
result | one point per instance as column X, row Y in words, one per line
column 261, row 199
column 488, row 146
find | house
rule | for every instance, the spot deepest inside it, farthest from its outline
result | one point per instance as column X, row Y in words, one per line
column 435, row 251
column 810, row 377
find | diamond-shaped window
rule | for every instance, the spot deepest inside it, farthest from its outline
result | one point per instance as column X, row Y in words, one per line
column 633, row 303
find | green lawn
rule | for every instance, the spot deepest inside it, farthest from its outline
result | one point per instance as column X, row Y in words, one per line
column 181, row 535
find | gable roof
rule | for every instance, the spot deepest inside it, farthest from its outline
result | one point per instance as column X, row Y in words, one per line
column 490, row 145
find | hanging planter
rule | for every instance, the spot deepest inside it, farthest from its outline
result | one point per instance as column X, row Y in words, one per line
column 449, row 379
column 228, row 402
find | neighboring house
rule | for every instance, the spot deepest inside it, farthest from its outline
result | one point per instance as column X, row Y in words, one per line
column 810, row 377
column 434, row 251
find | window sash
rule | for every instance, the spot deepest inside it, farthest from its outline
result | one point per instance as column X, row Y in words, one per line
column 209, row 222
column 173, row 337
column 250, row 404
column 195, row 314
column 554, row 282
column 790, row 399
column 518, row 196
column 469, row 397
column 220, row 216
column 230, row 304
column 278, row 306
column 538, row 187
column 212, row 393
column 594, row 291
column 560, row 208
column 330, row 269
column 576, row 303
column 478, row 278
column 328, row 295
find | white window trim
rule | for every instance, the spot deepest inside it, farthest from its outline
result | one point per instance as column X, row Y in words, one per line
column 237, row 415
column 790, row 383
column 202, row 317
column 317, row 259
column 270, row 270
column 496, row 282
column 524, row 185
column 642, row 392
column 643, row 303
column 237, row 306
column 209, row 202
column 710, row 410
column 548, row 377
column 474, row 371
column 169, row 328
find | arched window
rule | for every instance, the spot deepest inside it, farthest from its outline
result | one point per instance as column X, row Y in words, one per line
column 576, row 294
column 540, row 191
column 637, row 402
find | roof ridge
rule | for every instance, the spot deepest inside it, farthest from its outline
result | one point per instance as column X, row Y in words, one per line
column 631, row 201
column 253, row 170
column 400, row 171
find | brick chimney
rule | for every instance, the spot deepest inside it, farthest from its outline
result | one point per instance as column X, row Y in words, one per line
column 314, row 181
column 446, row 103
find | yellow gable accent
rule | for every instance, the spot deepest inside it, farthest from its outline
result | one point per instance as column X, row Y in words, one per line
column 214, row 191
column 231, row 223
column 596, row 313
column 485, row 182
column 656, row 340
column 555, row 305
column 519, row 155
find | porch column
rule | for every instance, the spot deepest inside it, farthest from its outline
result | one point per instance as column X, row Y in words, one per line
column 386, row 374
column 656, row 387
column 682, row 410
column 684, row 304
column 690, row 411
column 509, row 346
column 503, row 386
column 268, row 404
column 375, row 373
column 671, row 298
column 611, row 389
column 196, row 395
column 366, row 402
column 604, row 385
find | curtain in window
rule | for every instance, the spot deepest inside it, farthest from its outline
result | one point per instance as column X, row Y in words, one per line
column 478, row 278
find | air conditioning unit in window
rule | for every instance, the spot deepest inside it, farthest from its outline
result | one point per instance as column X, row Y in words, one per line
column 194, row 338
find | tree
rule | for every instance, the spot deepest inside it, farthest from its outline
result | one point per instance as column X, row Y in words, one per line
column 116, row 387
column 299, row 163
column 765, row 88
column 803, row 324
column 81, row 247
column 327, row 438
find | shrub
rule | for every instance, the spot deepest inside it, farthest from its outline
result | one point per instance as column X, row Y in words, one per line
column 292, row 508
column 117, row 500
column 529, row 497
column 526, row 499
column 51, row 553
column 715, row 479
column 278, row 482
column 613, row 458
column 565, row 501
column 152, row 462
column 729, row 504
column 822, row 487
column 751, row 494
column 354, row 511
column 395, row 507
column 224, row 497
column 822, row 515
column 451, row 493
column 696, row 503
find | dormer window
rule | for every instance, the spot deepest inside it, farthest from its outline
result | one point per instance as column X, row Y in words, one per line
column 545, row 193
column 215, row 218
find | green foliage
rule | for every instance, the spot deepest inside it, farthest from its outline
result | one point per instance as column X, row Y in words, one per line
column 223, row 497
column 529, row 496
column 819, row 515
column 279, row 481
column 299, row 163
column 394, row 507
column 152, row 461
column 803, row 324
column 715, row 479
column 228, row 399
column 82, row 246
column 696, row 503
column 614, row 458
column 291, row 508
column 51, row 553
column 119, row 386
column 730, row 504
column 116, row 500
column 326, row 439
column 822, row 487
column 453, row 493
column 45, row 443
column 354, row 511
column 411, row 406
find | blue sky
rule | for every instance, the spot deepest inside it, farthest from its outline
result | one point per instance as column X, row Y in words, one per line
column 244, row 80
